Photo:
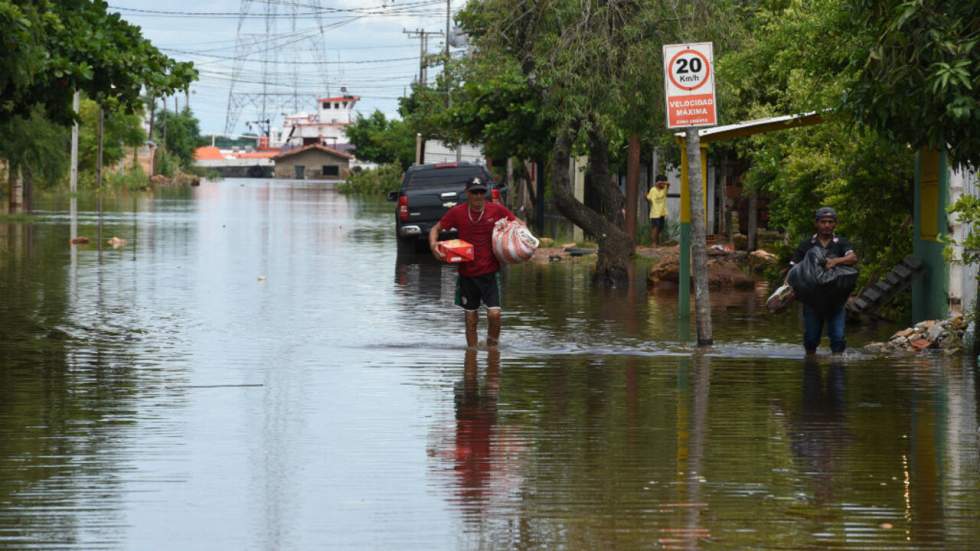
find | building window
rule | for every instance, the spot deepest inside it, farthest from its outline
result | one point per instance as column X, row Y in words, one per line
column 331, row 170
column 336, row 105
column 326, row 105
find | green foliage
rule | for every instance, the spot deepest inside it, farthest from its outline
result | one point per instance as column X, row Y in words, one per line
column 379, row 140
column 967, row 210
column 37, row 146
column 51, row 48
column 130, row 179
column 794, row 63
column 179, row 133
column 375, row 182
column 120, row 130
column 166, row 163
column 918, row 72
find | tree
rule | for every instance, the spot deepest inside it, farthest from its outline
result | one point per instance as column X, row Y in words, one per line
column 795, row 61
column 918, row 72
column 36, row 151
column 182, row 134
column 120, row 130
column 380, row 140
column 53, row 48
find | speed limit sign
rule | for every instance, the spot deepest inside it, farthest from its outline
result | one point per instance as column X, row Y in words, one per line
column 689, row 82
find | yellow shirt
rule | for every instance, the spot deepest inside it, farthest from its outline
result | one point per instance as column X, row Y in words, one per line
column 658, row 202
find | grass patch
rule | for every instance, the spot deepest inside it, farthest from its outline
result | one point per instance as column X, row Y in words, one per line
column 17, row 218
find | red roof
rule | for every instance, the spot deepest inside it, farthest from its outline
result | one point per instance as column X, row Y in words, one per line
column 208, row 153
column 341, row 98
column 325, row 149
column 267, row 154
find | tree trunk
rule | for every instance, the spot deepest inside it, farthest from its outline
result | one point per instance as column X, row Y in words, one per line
column 609, row 196
column 28, row 190
column 699, row 251
column 632, row 184
column 615, row 247
column 16, row 199
column 753, row 222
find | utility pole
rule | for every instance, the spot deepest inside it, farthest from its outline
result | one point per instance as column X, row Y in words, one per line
column 98, row 170
column 73, row 181
column 423, row 37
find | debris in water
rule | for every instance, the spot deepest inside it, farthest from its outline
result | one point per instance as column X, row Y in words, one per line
column 116, row 242
column 80, row 240
column 261, row 278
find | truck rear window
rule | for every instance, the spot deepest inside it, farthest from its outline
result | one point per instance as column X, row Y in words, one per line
column 438, row 177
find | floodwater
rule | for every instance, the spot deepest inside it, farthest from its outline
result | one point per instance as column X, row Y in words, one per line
column 259, row 368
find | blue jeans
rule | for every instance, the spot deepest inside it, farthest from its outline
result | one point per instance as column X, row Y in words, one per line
column 813, row 322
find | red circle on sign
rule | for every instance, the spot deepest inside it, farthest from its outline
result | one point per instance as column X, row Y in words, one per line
column 707, row 69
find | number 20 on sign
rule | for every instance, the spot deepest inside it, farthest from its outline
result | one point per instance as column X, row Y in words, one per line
column 689, row 83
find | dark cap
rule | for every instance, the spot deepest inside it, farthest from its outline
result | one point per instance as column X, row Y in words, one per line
column 476, row 184
column 826, row 212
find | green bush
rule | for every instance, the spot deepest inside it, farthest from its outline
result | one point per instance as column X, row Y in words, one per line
column 167, row 164
column 131, row 179
column 377, row 182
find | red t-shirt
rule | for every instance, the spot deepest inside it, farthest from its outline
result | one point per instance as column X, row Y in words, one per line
column 478, row 230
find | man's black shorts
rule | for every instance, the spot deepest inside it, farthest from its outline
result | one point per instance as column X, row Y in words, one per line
column 470, row 291
column 658, row 222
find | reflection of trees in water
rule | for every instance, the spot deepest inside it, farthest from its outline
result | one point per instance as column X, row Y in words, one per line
column 68, row 391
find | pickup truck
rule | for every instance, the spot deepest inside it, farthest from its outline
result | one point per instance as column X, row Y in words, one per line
column 427, row 192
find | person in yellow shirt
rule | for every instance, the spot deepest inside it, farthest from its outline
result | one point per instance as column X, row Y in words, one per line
column 658, row 208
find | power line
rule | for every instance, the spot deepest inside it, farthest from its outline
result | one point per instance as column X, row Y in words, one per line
column 233, row 58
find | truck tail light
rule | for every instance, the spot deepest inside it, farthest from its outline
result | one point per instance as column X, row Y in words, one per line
column 495, row 195
column 403, row 208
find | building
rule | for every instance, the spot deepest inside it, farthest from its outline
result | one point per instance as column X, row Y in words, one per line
column 312, row 162
column 326, row 127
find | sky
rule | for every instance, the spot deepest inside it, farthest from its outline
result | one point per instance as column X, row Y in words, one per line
column 359, row 44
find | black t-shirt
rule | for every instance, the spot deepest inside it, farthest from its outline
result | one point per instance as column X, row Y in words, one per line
column 837, row 247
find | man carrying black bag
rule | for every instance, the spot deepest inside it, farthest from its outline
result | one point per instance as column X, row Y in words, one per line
column 820, row 286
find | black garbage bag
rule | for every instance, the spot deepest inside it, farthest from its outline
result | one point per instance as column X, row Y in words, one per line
column 820, row 288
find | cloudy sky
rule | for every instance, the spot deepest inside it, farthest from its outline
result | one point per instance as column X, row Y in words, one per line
column 328, row 44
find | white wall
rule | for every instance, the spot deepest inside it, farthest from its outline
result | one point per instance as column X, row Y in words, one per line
column 962, row 278
column 439, row 152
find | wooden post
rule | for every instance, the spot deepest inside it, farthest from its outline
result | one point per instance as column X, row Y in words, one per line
column 753, row 222
column 699, row 251
column 539, row 198
column 632, row 184
column 98, row 170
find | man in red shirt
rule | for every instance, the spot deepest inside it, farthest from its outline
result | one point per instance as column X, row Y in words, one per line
column 478, row 279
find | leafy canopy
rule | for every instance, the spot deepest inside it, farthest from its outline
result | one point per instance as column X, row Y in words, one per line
column 51, row 48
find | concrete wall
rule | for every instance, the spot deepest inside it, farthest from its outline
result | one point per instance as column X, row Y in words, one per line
column 313, row 161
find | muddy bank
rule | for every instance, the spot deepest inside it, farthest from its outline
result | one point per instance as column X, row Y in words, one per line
column 179, row 179
column 726, row 268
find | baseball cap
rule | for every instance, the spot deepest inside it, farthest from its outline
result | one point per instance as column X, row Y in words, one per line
column 476, row 184
column 826, row 212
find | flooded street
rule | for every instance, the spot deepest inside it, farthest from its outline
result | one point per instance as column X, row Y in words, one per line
column 261, row 368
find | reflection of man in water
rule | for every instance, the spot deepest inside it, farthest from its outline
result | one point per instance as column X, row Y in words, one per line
column 476, row 417
column 819, row 430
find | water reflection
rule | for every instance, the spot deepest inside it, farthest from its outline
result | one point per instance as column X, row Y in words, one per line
column 331, row 404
